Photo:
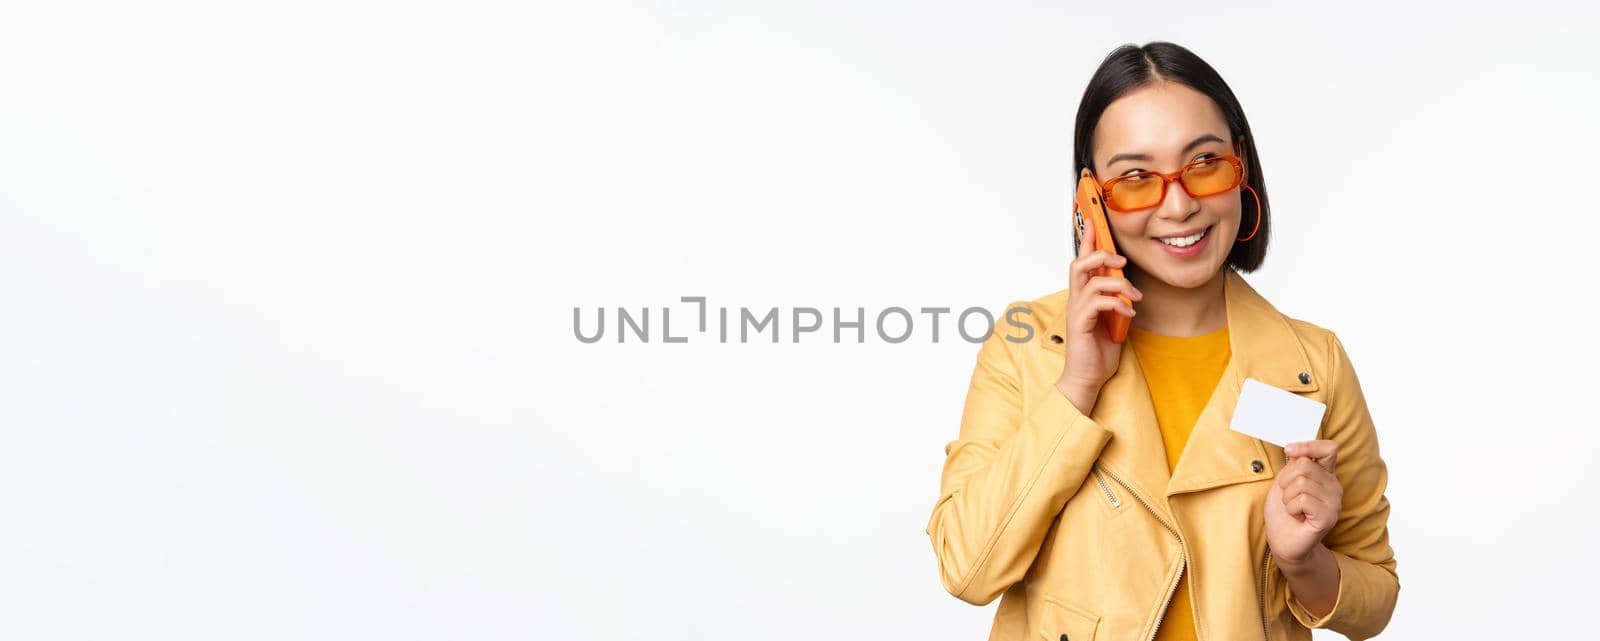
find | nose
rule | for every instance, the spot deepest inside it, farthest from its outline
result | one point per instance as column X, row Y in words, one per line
column 1177, row 205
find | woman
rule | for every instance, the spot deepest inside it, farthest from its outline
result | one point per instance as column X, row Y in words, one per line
column 1097, row 485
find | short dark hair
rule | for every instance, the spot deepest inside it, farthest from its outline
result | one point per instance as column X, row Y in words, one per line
column 1130, row 67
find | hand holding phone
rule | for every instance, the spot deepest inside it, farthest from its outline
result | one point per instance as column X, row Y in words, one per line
column 1100, row 303
column 1090, row 215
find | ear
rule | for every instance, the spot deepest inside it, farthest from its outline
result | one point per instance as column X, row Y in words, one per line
column 1238, row 150
column 1084, row 174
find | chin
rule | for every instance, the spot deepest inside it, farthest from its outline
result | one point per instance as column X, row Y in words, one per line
column 1186, row 276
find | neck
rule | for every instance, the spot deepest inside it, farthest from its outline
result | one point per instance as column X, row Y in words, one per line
column 1179, row 311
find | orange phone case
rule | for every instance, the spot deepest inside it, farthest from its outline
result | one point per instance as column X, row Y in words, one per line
column 1090, row 203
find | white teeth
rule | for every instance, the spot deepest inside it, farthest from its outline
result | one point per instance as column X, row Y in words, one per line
column 1186, row 240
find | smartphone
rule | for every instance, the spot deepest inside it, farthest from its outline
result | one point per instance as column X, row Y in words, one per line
column 1089, row 202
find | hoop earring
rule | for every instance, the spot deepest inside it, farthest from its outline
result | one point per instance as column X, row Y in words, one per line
column 1258, row 216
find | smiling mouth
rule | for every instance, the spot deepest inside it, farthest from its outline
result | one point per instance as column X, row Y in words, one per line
column 1186, row 241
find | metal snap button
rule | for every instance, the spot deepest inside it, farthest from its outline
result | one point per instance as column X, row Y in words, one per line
column 1063, row 636
column 1305, row 378
column 1057, row 340
column 1255, row 466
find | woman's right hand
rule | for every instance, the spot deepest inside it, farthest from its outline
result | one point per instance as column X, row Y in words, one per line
column 1092, row 357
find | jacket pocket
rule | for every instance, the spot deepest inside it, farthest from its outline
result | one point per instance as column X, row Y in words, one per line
column 1263, row 593
column 1107, row 495
column 1061, row 621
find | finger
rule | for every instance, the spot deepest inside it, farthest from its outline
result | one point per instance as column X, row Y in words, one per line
column 1303, row 467
column 1305, row 507
column 1084, row 268
column 1087, row 263
column 1295, row 506
column 1315, row 509
column 1320, row 474
column 1109, row 285
column 1329, row 499
column 1090, row 313
column 1310, row 483
column 1314, row 449
column 1325, row 451
column 1322, row 502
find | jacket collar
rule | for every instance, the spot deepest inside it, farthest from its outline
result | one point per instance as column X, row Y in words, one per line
column 1264, row 346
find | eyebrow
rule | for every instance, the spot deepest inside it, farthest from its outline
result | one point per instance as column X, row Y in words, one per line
column 1146, row 157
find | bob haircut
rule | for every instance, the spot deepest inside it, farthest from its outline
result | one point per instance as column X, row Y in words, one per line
column 1129, row 67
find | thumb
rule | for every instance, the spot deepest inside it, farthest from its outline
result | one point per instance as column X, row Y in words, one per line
column 1325, row 452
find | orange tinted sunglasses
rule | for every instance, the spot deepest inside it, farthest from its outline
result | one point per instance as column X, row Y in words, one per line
column 1147, row 189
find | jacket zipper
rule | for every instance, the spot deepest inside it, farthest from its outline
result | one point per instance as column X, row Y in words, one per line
column 1266, row 564
column 1107, row 489
column 1171, row 592
column 1182, row 551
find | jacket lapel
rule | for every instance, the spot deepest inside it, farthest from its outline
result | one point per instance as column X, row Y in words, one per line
column 1264, row 347
column 1135, row 452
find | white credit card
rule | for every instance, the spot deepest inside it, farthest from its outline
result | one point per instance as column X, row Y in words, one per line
column 1276, row 416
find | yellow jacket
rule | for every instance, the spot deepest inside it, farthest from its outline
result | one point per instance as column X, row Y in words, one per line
column 1077, row 522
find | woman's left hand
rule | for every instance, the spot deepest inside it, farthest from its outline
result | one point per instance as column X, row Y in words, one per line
column 1304, row 501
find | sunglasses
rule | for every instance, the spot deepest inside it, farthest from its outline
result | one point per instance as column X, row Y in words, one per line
column 1147, row 189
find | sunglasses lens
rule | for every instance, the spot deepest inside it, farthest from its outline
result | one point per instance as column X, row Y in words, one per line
column 1211, row 177
column 1137, row 192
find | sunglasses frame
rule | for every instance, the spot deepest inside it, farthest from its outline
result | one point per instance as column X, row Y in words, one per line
column 1166, row 179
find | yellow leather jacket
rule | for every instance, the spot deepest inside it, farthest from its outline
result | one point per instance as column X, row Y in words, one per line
column 1077, row 522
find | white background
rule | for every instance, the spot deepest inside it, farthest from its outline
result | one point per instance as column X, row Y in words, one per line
column 287, row 346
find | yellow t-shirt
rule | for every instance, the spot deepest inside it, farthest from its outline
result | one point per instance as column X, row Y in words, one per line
column 1181, row 372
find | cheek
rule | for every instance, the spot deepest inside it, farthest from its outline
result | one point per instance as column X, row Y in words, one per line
column 1229, row 210
column 1127, row 230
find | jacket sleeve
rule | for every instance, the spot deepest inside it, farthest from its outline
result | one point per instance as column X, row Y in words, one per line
column 1007, row 477
column 1368, row 585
